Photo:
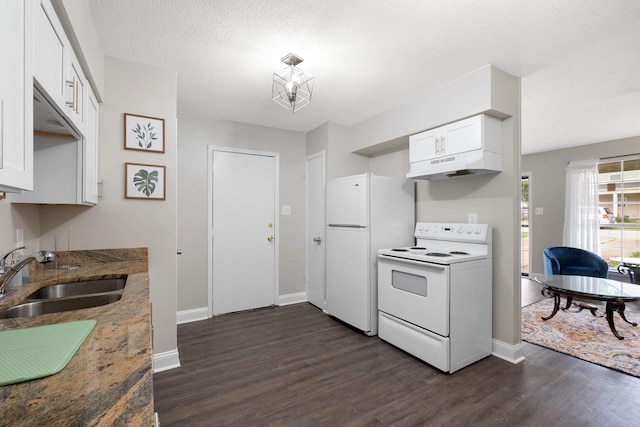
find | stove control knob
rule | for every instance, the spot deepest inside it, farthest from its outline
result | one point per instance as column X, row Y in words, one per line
column 478, row 230
column 460, row 230
column 469, row 229
column 425, row 228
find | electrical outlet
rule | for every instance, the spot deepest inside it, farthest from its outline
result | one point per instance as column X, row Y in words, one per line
column 539, row 211
column 19, row 237
column 472, row 218
column 286, row 210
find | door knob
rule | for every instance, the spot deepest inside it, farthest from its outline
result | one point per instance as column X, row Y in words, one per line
column 317, row 240
column 270, row 238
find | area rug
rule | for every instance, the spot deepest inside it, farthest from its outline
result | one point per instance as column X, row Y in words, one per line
column 584, row 336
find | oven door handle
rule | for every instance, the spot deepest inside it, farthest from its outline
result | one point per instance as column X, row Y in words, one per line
column 410, row 261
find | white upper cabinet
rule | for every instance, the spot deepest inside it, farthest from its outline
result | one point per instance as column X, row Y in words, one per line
column 447, row 140
column 61, row 111
column 57, row 72
column 16, row 94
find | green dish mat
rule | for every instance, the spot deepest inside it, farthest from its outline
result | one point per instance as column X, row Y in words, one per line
column 40, row 351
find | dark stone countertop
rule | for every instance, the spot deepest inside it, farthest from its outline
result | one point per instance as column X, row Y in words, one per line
column 108, row 382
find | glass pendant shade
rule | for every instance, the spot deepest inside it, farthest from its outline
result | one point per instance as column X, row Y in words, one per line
column 292, row 87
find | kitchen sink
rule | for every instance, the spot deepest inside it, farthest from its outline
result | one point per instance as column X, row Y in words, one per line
column 47, row 306
column 64, row 290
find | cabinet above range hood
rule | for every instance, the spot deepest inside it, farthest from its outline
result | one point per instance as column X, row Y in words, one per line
column 471, row 146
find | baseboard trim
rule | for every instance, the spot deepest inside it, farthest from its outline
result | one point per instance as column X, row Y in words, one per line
column 192, row 315
column 166, row 361
column 294, row 298
column 508, row 352
column 202, row 313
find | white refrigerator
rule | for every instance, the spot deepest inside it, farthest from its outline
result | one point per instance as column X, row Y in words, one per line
column 364, row 213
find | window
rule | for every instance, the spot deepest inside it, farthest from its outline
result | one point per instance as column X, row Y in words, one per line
column 619, row 208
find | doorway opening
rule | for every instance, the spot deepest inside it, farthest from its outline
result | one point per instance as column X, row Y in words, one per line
column 525, row 249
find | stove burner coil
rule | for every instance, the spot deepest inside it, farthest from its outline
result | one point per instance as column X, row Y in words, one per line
column 458, row 253
column 400, row 250
column 418, row 248
column 437, row 254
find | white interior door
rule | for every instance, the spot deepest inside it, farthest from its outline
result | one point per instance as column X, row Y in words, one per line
column 243, row 230
column 315, row 229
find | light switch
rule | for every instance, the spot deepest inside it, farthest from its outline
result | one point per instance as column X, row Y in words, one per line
column 286, row 210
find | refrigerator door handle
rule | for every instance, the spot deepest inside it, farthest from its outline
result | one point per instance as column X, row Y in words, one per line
column 317, row 240
column 347, row 225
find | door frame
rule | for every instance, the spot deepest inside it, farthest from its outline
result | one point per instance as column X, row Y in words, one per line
column 321, row 155
column 276, row 256
column 528, row 176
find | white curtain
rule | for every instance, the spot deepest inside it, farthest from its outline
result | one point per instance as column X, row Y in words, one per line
column 581, row 222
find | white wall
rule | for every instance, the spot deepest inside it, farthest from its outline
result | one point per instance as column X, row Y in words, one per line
column 317, row 140
column 395, row 163
column 340, row 161
column 194, row 135
column 24, row 217
column 117, row 222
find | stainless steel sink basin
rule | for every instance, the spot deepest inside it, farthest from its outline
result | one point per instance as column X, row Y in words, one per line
column 88, row 287
column 47, row 306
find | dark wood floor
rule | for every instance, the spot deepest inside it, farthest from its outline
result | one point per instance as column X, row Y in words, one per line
column 295, row 366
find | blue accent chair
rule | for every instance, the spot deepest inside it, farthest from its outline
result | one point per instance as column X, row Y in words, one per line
column 574, row 262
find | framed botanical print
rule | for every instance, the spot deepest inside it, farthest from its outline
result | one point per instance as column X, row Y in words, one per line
column 143, row 133
column 146, row 182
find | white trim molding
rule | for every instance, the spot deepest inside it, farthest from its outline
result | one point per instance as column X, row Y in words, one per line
column 166, row 361
column 294, row 298
column 192, row 315
column 508, row 352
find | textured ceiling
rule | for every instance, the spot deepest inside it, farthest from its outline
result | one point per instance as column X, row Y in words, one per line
column 579, row 60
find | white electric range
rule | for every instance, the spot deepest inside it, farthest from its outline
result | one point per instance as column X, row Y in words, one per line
column 435, row 298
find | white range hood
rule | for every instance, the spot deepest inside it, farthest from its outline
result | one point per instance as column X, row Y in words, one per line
column 462, row 164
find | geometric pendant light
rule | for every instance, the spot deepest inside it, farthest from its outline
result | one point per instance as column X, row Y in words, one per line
column 292, row 87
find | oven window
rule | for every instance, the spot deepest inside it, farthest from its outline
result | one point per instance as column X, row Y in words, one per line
column 409, row 282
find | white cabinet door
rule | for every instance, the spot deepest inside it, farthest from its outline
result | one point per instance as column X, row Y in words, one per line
column 90, row 151
column 16, row 96
column 51, row 51
column 422, row 146
column 76, row 94
column 461, row 136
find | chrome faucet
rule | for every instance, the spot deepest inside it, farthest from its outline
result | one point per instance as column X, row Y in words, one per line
column 3, row 258
column 9, row 272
